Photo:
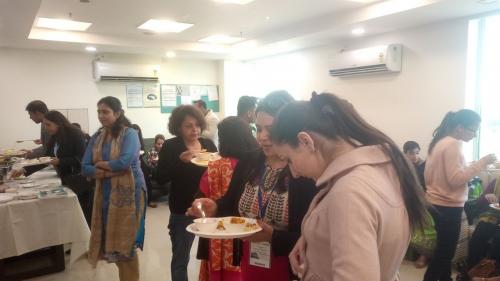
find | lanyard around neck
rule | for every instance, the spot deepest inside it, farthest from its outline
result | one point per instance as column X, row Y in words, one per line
column 263, row 205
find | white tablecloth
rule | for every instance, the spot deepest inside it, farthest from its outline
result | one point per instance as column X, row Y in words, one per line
column 28, row 225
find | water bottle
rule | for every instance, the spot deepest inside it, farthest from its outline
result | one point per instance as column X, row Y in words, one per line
column 475, row 188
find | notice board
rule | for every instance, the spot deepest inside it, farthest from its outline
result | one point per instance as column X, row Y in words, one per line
column 173, row 95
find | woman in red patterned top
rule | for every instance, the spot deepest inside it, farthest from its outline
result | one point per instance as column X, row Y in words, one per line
column 235, row 139
column 262, row 187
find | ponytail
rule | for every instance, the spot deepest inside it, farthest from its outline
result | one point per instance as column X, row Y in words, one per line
column 465, row 118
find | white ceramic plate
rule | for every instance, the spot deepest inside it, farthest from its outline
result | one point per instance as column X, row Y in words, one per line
column 12, row 153
column 39, row 161
column 236, row 231
column 28, row 185
column 204, row 163
column 25, row 181
column 495, row 206
column 27, row 195
column 6, row 197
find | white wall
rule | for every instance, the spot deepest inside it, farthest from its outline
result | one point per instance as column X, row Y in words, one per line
column 64, row 80
column 405, row 106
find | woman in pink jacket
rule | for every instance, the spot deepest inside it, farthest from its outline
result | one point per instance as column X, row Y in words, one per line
column 358, row 226
column 446, row 177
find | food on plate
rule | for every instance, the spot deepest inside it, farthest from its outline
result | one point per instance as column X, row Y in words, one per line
column 44, row 159
column 251, row 226
column 31, row 162
column 10, row 152
column 220, row 225
column 20, row 177
column 203, row 155
column 237, row 220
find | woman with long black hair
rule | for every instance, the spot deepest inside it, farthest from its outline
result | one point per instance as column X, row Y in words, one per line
column 66, row 144
column 235, row 141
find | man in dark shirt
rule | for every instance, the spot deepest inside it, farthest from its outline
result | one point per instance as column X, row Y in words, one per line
column 411, row 150
column 37, row 110
column 246, row 111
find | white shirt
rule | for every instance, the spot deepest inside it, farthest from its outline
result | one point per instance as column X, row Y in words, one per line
column 211, row 131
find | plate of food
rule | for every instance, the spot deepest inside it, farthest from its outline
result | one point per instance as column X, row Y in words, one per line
column 25, row 180
column 39, row 161
column 495, row 206
column 20, row 178
column 224, row 228
column 12, row 153
column 203, row 158
column 28, row 185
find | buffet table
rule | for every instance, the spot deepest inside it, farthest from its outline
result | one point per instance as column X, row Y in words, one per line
column 29, row 225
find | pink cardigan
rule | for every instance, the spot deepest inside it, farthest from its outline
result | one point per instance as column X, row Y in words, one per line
column 446, row 174
column 357, row 227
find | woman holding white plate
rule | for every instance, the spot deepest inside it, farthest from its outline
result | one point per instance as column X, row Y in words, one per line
column 174, row 165
column 66, row 144
column 262, row 187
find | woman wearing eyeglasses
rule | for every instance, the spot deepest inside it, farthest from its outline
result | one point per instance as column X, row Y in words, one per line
column 446, row 177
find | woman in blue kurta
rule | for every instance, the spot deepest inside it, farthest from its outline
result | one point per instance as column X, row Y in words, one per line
column 112, row 158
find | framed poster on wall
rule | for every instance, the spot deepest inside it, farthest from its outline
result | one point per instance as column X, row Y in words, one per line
column 173, row 95
column 151, row 95
column 134, row 95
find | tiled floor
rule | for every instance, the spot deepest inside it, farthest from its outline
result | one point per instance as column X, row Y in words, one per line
column 155, row 259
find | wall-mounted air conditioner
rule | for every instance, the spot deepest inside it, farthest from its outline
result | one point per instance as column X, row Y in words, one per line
column 110, row 71
column 379, row 59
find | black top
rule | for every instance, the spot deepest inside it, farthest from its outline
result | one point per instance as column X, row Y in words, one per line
column 44, row 149
column 420, row 169
column 69, row 152
column 300, row 194
column 184, row 177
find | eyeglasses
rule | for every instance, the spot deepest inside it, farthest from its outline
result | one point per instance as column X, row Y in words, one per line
column 474, row 131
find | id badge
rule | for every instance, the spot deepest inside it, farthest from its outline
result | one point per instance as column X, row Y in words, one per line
column 260, row 254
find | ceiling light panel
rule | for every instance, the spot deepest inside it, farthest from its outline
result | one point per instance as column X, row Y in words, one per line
column 164, row 26
column 358, row 31
column 221, row 39
column 239, row 2
column 61, row 24
column 364, row 1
